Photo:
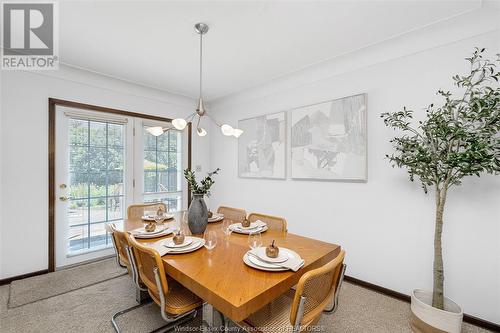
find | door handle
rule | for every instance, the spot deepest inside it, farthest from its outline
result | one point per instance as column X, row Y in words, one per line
column 63, row 198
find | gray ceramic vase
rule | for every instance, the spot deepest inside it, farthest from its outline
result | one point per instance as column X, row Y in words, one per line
column 197, row 215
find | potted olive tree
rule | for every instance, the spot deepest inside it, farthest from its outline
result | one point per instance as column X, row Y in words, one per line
column 457, row 139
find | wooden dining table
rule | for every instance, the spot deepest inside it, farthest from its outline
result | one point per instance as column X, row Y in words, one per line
column 221, row 278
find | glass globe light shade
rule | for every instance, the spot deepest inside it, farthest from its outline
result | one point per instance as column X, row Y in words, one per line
column 156, row 131
column 201, row 131
column 227, row 130
column 237, row 132
column 179, row 123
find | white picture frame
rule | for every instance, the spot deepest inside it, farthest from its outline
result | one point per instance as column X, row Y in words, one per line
column 328, row 140
column 262, row 147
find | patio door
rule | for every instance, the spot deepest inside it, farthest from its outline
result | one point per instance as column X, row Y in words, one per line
column 94, row 177
column 103, row 163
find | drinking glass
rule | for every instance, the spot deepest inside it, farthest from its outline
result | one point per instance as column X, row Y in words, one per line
column 226, row 227
column 254, row 240
column 159, row 218
column 183, row 225
column 210, row 238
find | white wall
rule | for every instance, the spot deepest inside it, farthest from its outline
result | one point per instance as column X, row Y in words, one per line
column 385, row 225
column 24, row 147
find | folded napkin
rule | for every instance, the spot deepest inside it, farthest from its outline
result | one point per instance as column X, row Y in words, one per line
column 293, row 264
column 257, row 224
column 158, row 246
column 260, row 223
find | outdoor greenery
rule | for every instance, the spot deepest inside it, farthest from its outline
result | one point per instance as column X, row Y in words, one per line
column 97, row 161
column 205, row 184
column 459, row 138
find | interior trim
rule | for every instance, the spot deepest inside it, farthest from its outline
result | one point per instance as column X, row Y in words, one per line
column 23, row 276
column 52, row 159
column 406, row 298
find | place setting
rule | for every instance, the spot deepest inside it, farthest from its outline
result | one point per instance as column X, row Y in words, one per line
column 159, row 216
column 246, row 227
column 271, row 258
column 154, row 225
column 151, row 230
column 214, row 217
column 178, row 244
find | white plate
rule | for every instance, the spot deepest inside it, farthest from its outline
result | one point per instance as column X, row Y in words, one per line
column 216, row 218
column 152, row 217
column 252, row 225
column 170, row 243
column 164, row 232
column 261, row 253
column 195, row 245
column 247, row 259
column 256, row 263
column 234, row 228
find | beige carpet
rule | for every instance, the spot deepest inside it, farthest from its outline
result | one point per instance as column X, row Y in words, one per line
column 49, row 285
column 89, row 309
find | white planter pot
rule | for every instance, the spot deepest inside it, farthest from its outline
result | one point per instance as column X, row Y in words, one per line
column 427, row 319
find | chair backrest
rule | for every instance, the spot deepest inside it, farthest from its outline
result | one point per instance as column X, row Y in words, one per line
column 235, row 214
column 273, row 222
column 120, row 242
column 148, row 260
column 137, row 211
column 318, row 287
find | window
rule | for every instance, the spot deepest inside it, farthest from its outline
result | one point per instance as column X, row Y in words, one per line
column 163, row 168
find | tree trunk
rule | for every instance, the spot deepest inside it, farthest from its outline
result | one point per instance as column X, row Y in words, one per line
column 438, row 291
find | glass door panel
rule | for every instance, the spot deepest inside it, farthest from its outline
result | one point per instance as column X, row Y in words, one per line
column 162, row 168
column 96, row 187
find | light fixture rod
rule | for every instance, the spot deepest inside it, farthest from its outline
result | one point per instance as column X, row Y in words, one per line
column 214, row 120
column 201, row 64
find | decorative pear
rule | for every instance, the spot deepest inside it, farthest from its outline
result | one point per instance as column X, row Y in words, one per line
column 178, row 238
column 245, row 223
column 150, row 227
column 210, row 214
column 272, row 251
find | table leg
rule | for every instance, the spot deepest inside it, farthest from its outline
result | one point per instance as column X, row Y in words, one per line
column 214, row 319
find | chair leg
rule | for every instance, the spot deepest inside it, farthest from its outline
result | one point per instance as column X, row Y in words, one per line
column 165, row 328
column 335, row 302
column 122, row 312
column 177, row 321
column 141, row 296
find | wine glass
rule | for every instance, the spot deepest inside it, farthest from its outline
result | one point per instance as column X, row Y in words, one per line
column 254, row 240
column 210, row 238
column 159, row 218
column 226, row 227
column 183, row 225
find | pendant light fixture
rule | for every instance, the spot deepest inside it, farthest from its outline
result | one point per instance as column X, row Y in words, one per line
column 181, row 123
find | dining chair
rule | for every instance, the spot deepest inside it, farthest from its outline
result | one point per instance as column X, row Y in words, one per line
column 297, row 310
column 177, row 303
column 125, row 258
column 235, row 214
column 136, row 211
column 273, row 222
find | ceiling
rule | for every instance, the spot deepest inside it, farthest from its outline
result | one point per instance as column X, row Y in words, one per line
column 249, row 43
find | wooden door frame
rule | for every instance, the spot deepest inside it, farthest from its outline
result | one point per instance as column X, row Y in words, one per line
column 53, row 102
